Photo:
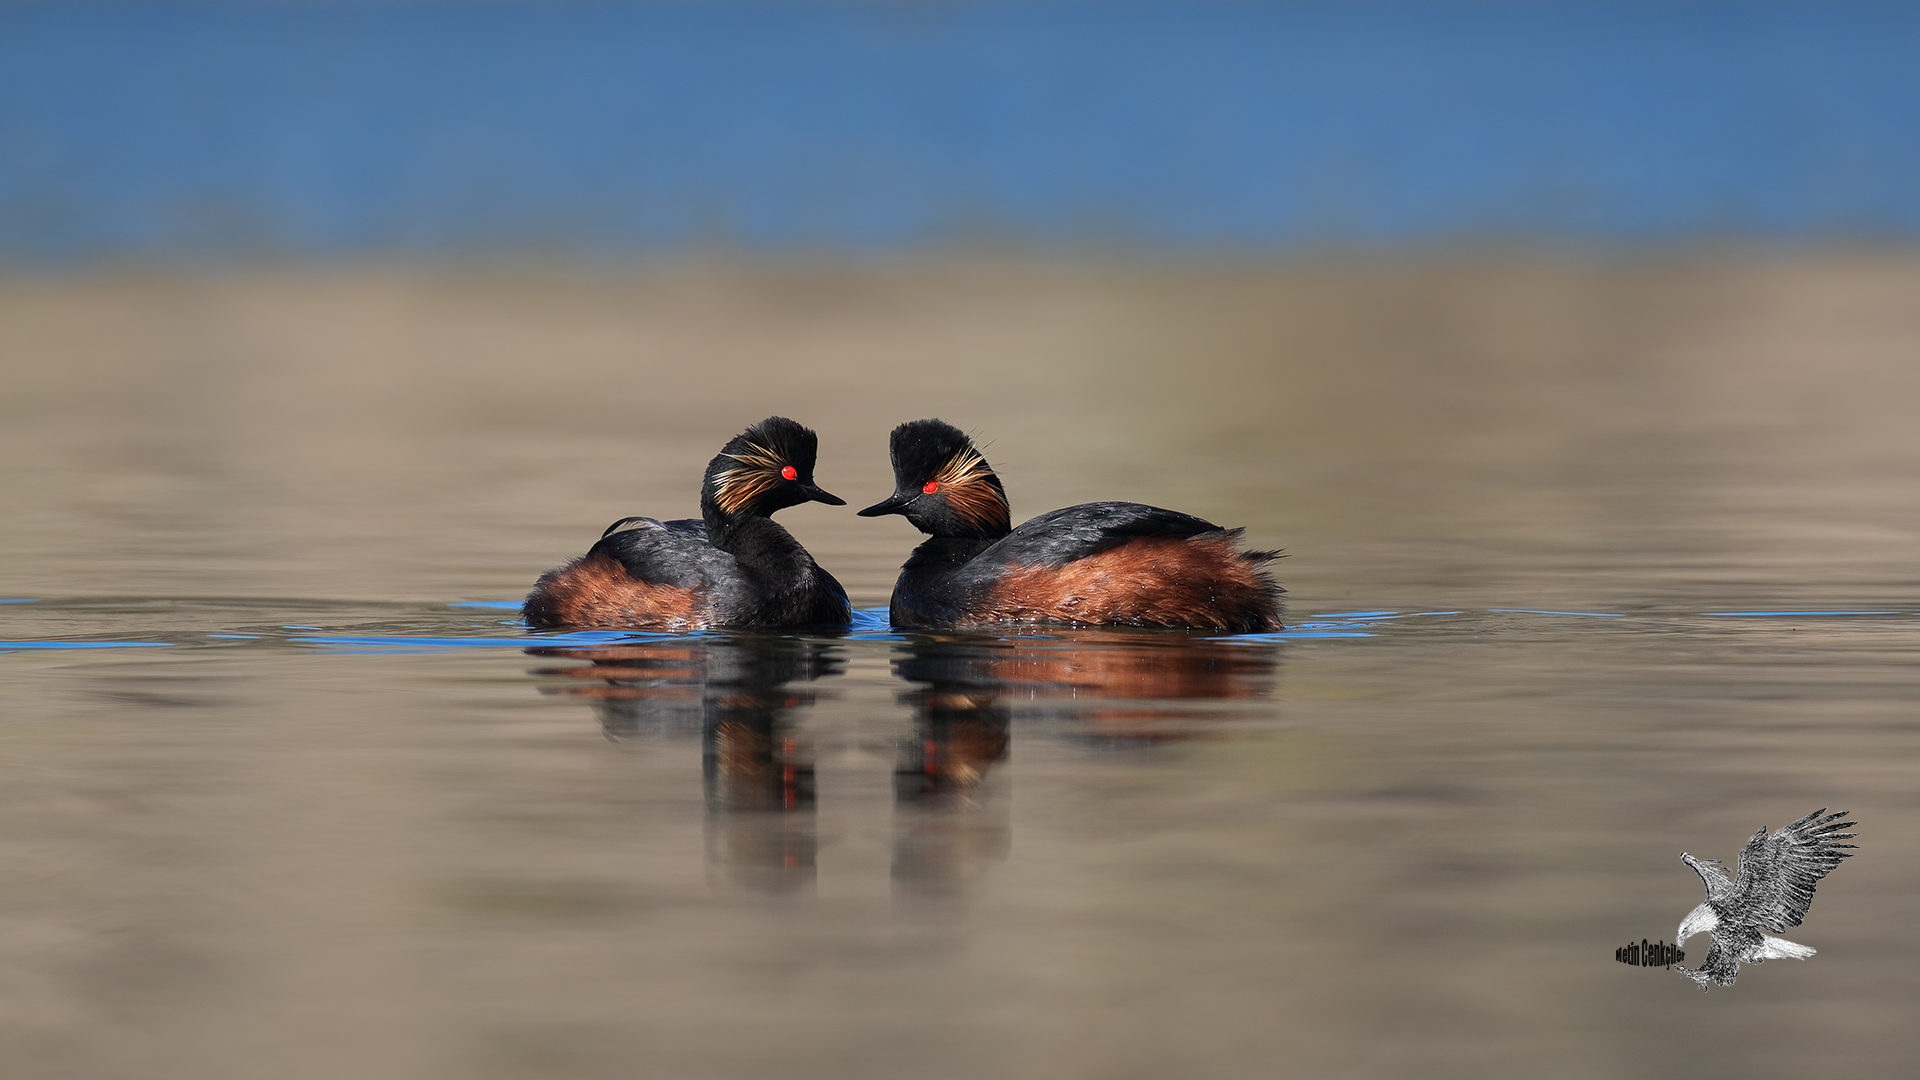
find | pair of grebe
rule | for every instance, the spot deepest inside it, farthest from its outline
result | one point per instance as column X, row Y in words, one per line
column 1104, row 563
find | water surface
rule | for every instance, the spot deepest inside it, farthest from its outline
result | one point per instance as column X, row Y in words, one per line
column 1589, row 563
column 162, row 127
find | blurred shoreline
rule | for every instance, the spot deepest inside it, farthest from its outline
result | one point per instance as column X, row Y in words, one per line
column 1014, row 256
column 1413, row 428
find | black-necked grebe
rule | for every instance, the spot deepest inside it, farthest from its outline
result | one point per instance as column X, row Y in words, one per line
column 1096, row 563
column 734, row 568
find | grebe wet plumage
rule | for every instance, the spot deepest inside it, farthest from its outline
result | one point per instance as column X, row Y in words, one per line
column 1096, row 563
column 733, row 568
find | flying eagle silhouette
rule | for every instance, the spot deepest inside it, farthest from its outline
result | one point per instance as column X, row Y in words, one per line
column 1772, row 892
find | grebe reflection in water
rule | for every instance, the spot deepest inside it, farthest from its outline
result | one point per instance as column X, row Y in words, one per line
column 745, row 696
column 739, row 693
column 1105, row 687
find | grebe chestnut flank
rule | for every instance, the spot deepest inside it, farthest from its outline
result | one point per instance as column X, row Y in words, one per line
column 734, row 568
column 1096, row 563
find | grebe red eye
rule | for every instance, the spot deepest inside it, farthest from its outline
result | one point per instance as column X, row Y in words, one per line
column 932, row 486
column 790, row 473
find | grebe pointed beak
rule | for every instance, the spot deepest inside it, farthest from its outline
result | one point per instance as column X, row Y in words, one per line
column 815, row 493
column 893, row 504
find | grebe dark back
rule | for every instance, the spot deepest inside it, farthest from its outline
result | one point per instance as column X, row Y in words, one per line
column 733, row 568
column 1097, row 563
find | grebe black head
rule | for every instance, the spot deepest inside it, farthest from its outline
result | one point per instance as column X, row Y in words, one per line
column 942, row 484
column 766, row 468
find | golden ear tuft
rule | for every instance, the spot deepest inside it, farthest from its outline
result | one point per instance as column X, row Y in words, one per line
column 737, row 489
column 964, row 481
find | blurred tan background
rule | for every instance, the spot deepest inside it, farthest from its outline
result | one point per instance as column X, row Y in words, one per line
column 1672, row 426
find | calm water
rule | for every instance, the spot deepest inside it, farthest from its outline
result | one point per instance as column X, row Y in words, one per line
column 163, row 126
column 1590, row 563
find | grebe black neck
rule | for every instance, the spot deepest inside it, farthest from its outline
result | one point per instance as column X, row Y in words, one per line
column 943, row 485
column 766, row 468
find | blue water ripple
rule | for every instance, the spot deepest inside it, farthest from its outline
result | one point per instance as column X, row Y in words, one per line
column 1294, row 635
column 1537, row 611
column 8, row 645
column 1768, row 614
